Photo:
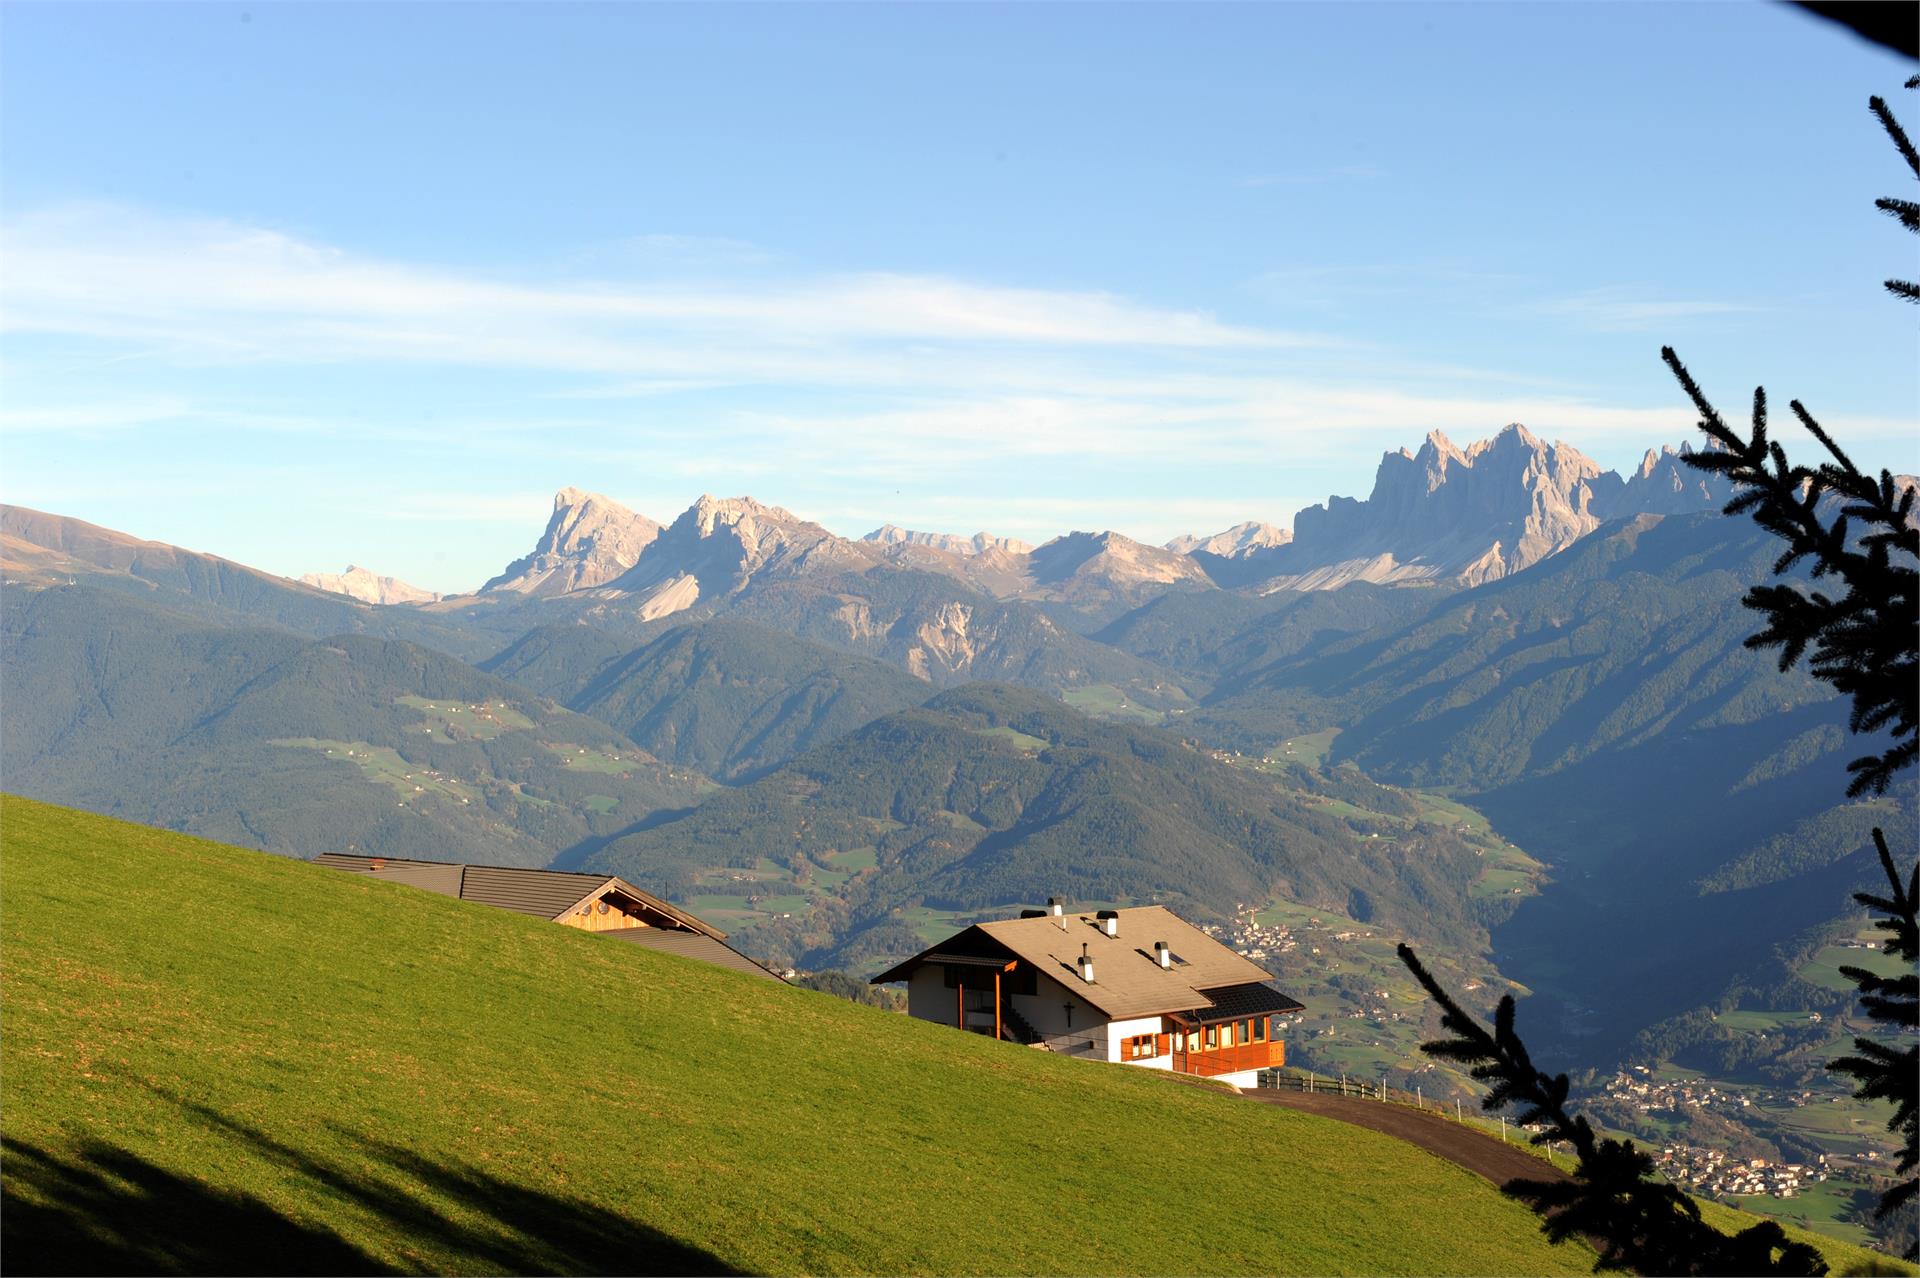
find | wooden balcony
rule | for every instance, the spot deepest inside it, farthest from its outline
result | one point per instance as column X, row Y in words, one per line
column 1231, row 1060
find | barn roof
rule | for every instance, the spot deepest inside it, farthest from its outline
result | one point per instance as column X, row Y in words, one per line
column 548, row 894
column 691, row 945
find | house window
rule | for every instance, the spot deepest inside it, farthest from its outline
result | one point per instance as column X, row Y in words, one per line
column 1226, row 1035
column 1193, row 1040
column 1213, row 1037
column 1140, row 1047
column 1259, row 1029
column 1246, row 1031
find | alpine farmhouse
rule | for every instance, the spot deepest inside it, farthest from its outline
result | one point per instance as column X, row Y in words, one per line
column 601, row 903
column 1138, row 986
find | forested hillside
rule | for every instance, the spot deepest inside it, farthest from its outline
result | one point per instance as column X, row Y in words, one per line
column 276, row 741
column 991, row 797
column 1601, row 709
column 727, row 698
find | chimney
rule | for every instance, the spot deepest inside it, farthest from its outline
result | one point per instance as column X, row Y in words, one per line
column 1163, row 954
column 1086, row 964
column 1110, row 922
column 1054, row 907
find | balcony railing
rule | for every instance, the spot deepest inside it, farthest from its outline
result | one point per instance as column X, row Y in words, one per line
column 1231, row 1060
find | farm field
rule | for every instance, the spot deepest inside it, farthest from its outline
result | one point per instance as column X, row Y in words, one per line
column 200, row 1046
column 379, row 763
column 1110, row 702
column 1823, row 969
column 458, row 721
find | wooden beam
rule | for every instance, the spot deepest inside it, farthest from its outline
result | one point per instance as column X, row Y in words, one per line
column 996, row 1006
column 960, row 998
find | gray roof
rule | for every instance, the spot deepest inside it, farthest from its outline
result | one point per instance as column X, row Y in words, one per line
column 547, row 894
column 690, row 945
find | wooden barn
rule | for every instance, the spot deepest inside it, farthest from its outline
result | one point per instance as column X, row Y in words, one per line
column 601, row 903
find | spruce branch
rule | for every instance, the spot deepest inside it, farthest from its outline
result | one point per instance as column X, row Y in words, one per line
column 1636, row 1221
column 1883, row 1072
column 1905, row 210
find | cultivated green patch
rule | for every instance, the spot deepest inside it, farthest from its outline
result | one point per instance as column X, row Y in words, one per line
column 249, row 1061
column 466, row 721
column 378, row 763
column 1110, row 702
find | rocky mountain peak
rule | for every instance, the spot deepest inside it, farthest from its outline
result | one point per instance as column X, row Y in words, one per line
column 953, row 543
column 1114, row 559
column 1446, row 512
column 368, row 586
column 719, row 544
column 1236, row 542
column 590, row 540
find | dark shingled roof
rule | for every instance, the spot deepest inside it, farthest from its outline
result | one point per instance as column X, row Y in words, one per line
column 690, row 945
column 1255, row 998
column 547, row 894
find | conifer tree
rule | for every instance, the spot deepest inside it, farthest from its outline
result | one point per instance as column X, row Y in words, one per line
column 1858, row 533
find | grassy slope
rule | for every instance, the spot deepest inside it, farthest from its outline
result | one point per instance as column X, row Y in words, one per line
column 240, row 1060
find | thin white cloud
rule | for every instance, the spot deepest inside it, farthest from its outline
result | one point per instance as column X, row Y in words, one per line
column 1623, row 309
column 223, row 292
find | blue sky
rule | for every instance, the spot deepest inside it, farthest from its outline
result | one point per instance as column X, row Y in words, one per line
column 304, row 285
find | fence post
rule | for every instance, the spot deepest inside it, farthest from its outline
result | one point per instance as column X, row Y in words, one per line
column 1503, row 1129
column 1309, row 1082
column 1419, row 1102
column 1456, row 1111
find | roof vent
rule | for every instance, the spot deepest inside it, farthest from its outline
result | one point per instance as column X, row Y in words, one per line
column 1163, row 954
column 1110, row 922
column 1086, row 965
column 1033, row 914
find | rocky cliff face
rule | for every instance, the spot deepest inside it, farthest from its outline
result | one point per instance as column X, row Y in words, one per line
column 1235, row 542
column 1665, row 485
column 954, row 544
column 718, row 546
column 363, row 584
column 590, row 540
column 1472, row 515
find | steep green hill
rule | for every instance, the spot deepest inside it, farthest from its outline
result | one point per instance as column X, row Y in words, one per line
column 268, row 739
column 218, row 1061
column 991, row 796
column 727, row 698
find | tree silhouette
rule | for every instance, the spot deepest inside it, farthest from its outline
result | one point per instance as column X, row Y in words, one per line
column 1866, row 643
column 1864, row 640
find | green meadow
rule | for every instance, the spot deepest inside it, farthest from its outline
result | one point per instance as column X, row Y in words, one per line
column 219, row 1059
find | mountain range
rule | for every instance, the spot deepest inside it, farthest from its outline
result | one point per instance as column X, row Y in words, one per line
column 1556, row 645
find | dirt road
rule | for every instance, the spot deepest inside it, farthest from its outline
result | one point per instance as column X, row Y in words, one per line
column 1476, row 1151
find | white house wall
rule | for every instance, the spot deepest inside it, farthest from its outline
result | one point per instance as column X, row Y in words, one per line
column 1118, row 1032
column 928, row 997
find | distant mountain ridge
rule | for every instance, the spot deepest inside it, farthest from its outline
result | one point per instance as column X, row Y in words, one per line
column 368, row 586
column 1241, row 539
column 978, row 544
column 1472, row 515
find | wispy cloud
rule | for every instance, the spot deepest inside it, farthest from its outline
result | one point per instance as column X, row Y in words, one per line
column 1624, row 309
column 226, row 293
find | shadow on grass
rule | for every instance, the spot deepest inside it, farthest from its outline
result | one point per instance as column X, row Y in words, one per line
column 99, row 1209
